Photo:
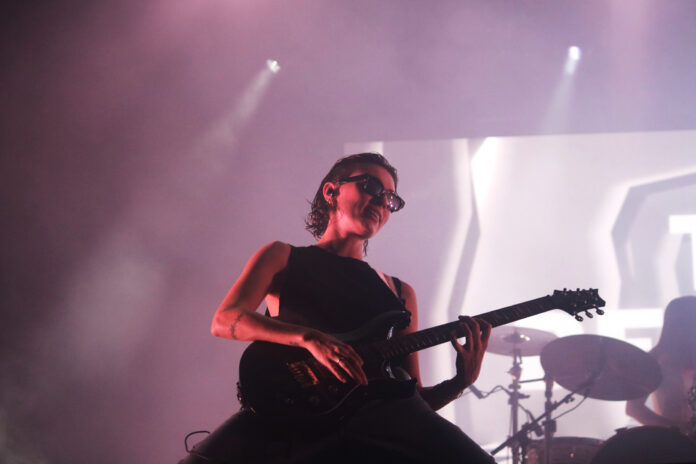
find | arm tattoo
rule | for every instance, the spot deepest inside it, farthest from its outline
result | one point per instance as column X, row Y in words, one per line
column 233, row 326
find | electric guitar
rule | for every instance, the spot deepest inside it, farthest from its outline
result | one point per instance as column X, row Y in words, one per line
column 287, row 383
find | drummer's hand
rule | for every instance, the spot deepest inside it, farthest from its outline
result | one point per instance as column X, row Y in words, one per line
column 341, row 359
column 470, row 354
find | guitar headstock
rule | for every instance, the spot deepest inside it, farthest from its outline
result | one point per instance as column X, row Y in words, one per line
column 576, row 301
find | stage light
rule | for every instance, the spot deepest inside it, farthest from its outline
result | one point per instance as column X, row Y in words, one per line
column 572, row 59
column 574, row 53
column 222, row 134
column 273, row 65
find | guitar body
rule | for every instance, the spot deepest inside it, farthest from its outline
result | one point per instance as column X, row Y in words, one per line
column 287, row 383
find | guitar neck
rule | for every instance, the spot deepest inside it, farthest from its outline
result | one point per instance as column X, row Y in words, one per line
column 405, row 344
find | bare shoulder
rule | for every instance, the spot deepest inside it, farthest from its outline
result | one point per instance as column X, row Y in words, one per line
column 268, row 261
column 273, row 255
column 276, row 249
column 407, row 292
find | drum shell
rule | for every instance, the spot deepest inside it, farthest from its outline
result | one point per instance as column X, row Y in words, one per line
column 564, row 450
column 647, row 445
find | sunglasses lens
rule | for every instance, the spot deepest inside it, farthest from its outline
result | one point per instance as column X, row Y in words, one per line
column 375, row 188
column 394, row 202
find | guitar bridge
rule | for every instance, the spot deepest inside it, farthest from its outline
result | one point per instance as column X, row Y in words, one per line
column 303, row 374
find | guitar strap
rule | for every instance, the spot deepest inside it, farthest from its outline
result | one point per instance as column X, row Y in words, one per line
column 397, row 286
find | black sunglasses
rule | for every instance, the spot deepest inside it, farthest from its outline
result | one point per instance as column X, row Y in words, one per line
column 373, row 186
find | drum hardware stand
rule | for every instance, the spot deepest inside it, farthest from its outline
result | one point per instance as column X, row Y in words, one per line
column 521, row 441
column 549, row 424
column 522, row 435
column 518, row 342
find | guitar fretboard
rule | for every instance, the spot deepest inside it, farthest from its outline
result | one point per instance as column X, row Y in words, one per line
column 402, row 345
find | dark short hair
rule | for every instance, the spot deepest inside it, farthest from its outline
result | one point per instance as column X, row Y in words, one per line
column 318, row 218
column 677, row 339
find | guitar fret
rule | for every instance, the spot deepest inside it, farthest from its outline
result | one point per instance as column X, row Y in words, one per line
column 408, row 343
column 516, row 312
column 404, row 344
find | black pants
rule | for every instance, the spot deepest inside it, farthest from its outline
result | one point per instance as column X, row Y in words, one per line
column 400, row 430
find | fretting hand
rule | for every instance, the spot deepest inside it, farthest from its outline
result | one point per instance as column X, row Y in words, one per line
column 470, row 354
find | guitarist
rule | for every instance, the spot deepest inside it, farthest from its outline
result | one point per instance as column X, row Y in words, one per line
column 328, row 288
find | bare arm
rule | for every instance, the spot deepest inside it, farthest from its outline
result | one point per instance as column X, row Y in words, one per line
column 236, row 317
column 469, row 357
column 640, row 412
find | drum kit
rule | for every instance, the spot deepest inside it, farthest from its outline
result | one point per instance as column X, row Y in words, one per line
column 590, row 366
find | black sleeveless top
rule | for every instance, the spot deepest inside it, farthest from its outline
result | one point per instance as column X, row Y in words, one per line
column 332, row 293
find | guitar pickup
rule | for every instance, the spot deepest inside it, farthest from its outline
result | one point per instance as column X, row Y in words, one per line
column 303, row 374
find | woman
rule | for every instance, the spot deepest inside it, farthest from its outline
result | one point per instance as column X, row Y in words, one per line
column 313, row 291
column 676, row 354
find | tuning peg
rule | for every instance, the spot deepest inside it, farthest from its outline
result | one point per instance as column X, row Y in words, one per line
column 589, row 314
column 599, row 311
column 579, row 318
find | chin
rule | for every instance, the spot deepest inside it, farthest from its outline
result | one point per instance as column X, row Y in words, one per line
column 367, row 228
column 370, row 233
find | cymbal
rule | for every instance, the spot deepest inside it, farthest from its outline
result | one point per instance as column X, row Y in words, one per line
column 507, row 339
column 599, row 367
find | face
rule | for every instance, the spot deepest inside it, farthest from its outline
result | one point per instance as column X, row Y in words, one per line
column 357, row 212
